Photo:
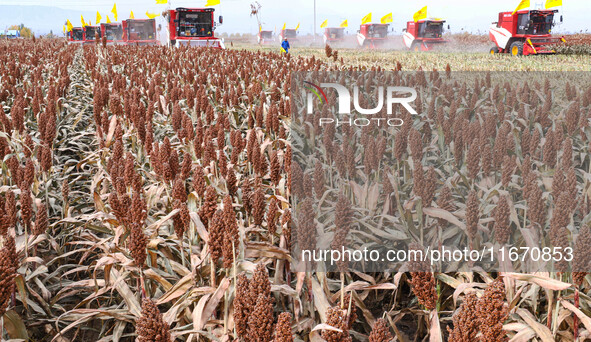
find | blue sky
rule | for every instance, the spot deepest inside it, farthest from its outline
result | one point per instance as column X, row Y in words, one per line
column 470, row 15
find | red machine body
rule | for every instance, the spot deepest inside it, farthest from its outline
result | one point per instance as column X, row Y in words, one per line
column 76, row 36
column 88, row 32
column 424, row 34
column 113, row 32
column 265, row 37
column 193, row 27
column 372, row 35
column 290, row 34
column 139, row 32
column 526, row 32
column 334, row 34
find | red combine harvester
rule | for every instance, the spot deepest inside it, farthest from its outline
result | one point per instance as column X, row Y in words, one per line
column 265, row 37
column 290, row 34
column 334, row 35
column 424, row 34
column 113, row 32
column 139, row 32
column 89, row 32
column 524, row 33
column 76, row 36
column 193, row 27
column 372, row 35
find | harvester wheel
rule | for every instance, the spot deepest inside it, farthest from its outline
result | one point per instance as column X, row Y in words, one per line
column 516, row 49
column 494, row 50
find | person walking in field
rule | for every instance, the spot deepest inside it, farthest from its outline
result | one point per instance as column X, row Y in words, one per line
column 285, row 45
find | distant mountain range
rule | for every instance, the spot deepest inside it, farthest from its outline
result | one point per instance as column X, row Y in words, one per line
column 41, row 19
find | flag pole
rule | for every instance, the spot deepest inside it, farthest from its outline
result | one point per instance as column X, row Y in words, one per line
column 314, row 21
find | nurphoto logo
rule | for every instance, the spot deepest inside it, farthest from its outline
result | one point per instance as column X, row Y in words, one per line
column 388, row 96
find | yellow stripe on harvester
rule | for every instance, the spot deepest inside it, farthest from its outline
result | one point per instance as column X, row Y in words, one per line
column 532, row 46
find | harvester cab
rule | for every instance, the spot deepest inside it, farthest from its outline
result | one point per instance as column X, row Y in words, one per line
column 113, row 32
column 372, row 35
column 76, row 36
column 140, row 32
column 290, row 34
column 265, row 37
column 424, row 34
column 334, row 34
column 193, row 27
column 526, row 32
column 89, row 34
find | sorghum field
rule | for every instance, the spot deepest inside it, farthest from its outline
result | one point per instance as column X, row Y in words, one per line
column 145, row 194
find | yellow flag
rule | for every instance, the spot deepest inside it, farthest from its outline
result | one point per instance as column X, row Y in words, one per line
column 98, row 17
column 212, row 3
column 553, row 3
column 523, row 4
column 284, row 25
column 297, row 27
column 114, row 11
column 387, row 18
column 260, row 27
column 131, row 15
column 366, row 19
column 69, row 25
column 151, row 15
column 345, row 24
column 324, row 24
column 421, row 14
column 108, row 20
column 82, row 20
column 64, row 29
column 161, row 2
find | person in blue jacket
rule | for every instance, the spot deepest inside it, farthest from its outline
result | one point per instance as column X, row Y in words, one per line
column 285, row 45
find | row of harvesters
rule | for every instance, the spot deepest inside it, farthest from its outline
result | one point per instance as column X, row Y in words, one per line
column 525, row 32
column 522, row 32
column 421, row 35
column 128, row 32
column 186, row 26
column 331, row 35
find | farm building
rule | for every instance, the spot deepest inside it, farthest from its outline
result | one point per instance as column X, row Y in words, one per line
column 10, row 34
